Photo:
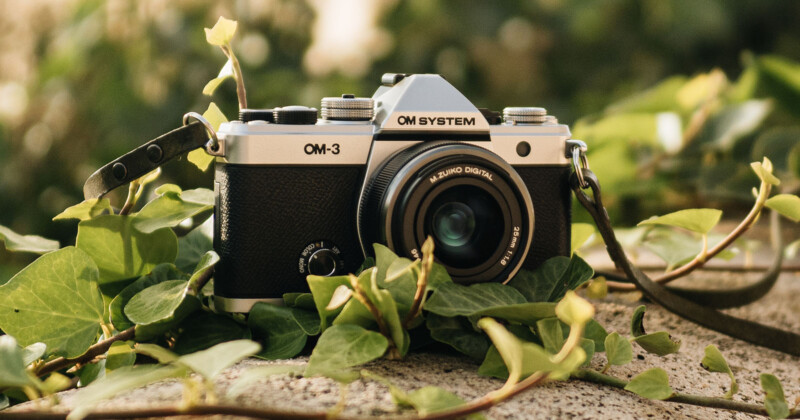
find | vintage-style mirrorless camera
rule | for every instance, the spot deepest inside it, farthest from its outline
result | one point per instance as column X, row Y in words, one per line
column 299, row 195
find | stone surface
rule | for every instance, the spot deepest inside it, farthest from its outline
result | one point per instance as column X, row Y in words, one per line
column 572, row 399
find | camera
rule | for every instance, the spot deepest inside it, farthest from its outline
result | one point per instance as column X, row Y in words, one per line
column 298, row 195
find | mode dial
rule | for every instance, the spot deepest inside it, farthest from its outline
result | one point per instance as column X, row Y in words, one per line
column 524, row 115
column 295, row 114
column 247, row 115
column 347, row 108
column 320, row 258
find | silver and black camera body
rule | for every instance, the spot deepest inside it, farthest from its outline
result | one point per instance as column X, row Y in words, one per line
column 297, row 195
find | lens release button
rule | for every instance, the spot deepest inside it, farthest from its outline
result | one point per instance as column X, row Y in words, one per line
column 322, row 262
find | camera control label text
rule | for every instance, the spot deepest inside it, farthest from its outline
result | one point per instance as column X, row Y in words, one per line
column 461, row 170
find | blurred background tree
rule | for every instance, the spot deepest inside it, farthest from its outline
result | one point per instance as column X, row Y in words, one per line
column 674, row 97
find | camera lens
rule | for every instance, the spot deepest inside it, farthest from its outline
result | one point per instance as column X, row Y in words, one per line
column 471, row 202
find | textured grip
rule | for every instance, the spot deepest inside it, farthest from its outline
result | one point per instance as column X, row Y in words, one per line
column 552, row 208
column 266, row 215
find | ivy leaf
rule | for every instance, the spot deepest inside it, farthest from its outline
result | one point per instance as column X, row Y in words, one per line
column 551, row 280
column 12, row 366
column 535, row 359
column 249, row 377
column 90, row 373
column 57, row 293
column 660, row 343
column 597, row 289
column 695, row 220
column 26, row 243
column 118, row 381
column 452, row 299
column 159, row 274
column 209, row 363
column 222, row 32
column 159, row 353
column 677, row 248
column 431, row 399
column 774, row 401
column 158, row 308
column 119, row 355
column 459, row 334
column 213, row 84
column 713, row 361
column 618, row 350
column 588, row 347
column 386, row 305
column 574, row 310
column 171, row 208
column 322, row 290
column 194, row 245
column 343, row 346
column 307, row 320
column 595, row 332
column 581, row 232
column 524, row 313
column 283, row 336
column 205, row 329
column 384, row 257
column 86, row 210
column 122, row 252
column 787, row 205
column 33, row 353
column 652, row 384
column 763, row 170
column 507, row 345
column 550, row 332
column 199, row 157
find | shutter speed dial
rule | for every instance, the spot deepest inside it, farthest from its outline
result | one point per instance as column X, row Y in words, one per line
column 320, row 258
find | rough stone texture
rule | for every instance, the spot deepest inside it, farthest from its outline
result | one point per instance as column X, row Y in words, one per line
column 572, row 399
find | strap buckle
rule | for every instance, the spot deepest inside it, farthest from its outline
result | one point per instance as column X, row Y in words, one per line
column 214, row 146
column 576, row 150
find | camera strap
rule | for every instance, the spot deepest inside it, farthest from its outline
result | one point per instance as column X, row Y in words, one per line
column 150, row 156
column 693, row 305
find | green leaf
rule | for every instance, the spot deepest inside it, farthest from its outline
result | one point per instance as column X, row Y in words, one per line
column 343, row 346
column 283, row 336
column 209, row 363
column 384, row 257
column 618, row 350
column 12, row 366
column 300, row 300
column 222, row 32
column 122, row 252
column 90, row 373
column 384, row 302
column 118, row 381
column 56, row 301
column 159, row 274
column 713, row 361
column 597, row 288
column 459, row 334
column 662, row 97
column 764, row 172
column 120, row 354
column 581, row 232
column 733, row 122
column 660, row 343
column 199, row 157
column 33, row 353
column 86, row 210
column 432, row 399
column 574, row 310
column 551, row 280
column 205, row 329
column 170, row 209
column 206, row 263
column 251, row 376
column 54, row 383
column 695, row 220
column 550, row 332
column 534, row 359
column 157, row 302
column 194, row 245
column 225, row 73
column 452, row 299
column 401, row 282
column 588, row 347
column 774, row 400
column 595, row 332
column 678, row 248
column 508, row 346
column 779, row 79
column 787, row 205
column 26, row 243
column 307, row 320
column 159, row 353
column 524, row 313
column 652, row 384
column 322, row 289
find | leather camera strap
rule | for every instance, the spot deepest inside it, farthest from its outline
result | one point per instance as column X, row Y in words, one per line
column 702, row 314
column 145, row 158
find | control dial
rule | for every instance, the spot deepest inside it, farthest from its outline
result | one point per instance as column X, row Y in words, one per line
column 320, row 258
column 295, row 114
column 347, row 108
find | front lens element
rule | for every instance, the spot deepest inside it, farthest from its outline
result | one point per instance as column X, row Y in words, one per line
column 453, row 224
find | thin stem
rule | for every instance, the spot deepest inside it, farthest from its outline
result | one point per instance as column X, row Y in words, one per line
column 698, row 400
column 702, row 258
column 241, row 94
column 416, row 305
column 91, row 353
column 196, row 286
column 130, row 201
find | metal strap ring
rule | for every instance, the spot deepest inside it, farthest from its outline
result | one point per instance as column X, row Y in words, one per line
column 579, row 162
column 212, row 147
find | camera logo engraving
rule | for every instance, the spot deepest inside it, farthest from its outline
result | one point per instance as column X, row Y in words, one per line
column 321, row 149
column 423, row 120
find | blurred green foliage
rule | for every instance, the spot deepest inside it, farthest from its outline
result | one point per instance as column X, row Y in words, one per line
column 674, row 97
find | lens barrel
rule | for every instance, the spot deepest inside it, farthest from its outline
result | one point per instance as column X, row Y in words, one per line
column 469, row 200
